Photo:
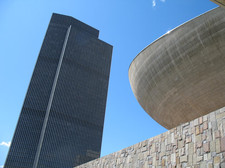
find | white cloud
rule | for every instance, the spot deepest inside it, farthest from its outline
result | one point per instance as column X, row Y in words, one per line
column 1, row 166
column 7, row 144
column 153, row 3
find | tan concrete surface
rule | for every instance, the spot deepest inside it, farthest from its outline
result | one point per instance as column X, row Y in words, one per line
column 219, row 2
column 181, row 76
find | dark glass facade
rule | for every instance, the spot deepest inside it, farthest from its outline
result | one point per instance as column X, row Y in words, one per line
column 61, row 122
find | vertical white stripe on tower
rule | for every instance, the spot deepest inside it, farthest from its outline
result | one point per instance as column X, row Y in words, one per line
column 50, row 99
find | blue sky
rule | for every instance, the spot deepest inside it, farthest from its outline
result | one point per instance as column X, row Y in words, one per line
column 128, row 25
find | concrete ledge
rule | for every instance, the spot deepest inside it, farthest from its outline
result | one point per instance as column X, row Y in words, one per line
column 219, row 2
column 199, row 143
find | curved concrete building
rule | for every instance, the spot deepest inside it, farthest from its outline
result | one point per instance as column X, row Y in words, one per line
column 181, row 76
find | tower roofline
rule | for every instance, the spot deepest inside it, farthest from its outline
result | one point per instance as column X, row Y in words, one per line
column 69, row 20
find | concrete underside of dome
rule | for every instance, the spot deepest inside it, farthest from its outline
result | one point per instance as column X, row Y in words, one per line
column 181, row 76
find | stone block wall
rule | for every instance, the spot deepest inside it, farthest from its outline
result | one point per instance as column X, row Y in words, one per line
column 196, row 144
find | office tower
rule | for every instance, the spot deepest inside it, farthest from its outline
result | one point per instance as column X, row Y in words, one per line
column 61, row 121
